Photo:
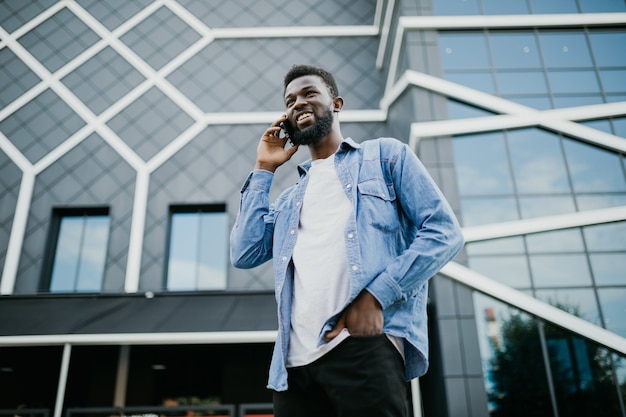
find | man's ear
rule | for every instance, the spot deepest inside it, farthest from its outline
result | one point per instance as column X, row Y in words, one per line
column 337, row 104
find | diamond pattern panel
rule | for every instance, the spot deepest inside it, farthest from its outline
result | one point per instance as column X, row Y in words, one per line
column 246, row 75
column 59, row 39
column 10, row 177
column 90, row 174
column 112, row 13
column 41, row 125
column 103, row 80
column 150, row 122
column 242, row 13
column 14, row 13
column 15, row 77
column 160, row 37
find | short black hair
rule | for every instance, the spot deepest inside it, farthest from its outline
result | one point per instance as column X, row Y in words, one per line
column 298, row 71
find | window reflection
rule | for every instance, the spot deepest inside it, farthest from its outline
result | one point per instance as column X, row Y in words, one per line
column 609, row 268
column 482, row 165
column 505, row 7
column 553, row 6
column 482, row 81
column 538, row 162
column 578, row 301
column 508, row 270
column 455, row 7
column 568, row 240
column 508, row 245
column 477, row 211
column 605, row 237
column 463, row 51
column 565, row 50
column 80, row 253
column 613, row 81
column 613, row 302
column 513, row 363
column 514, row 50
column 608, row 48
column 458, row 110
column 521, row 82
column 593, row 169
column 198, row 250
column 573, row 82
column 560, row 270
column 546, row 206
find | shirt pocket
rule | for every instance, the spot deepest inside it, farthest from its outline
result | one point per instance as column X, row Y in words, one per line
column 377, row 202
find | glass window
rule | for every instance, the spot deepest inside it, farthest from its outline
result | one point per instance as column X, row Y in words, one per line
column 477, row 211
column 565, row 50
column 539, row 103
column 464, row 51
column 538, row 163
column 597, row 201
column 605, row 237
column 578, row 301
column 569, row 240
column 508, row 270
column 546, row 206
column 198, row 248
column 619, row 126
column 608, row 48
column 513, row 365
column 608, row 268
column 613, row 302
column 553, row 6
column 514, row 50
column 573, row 82
column 80, row 250
column 508, row 245
column 458, row 110
column 505, row 7
column 565, row 270
column 593, row 169
column 482, row 81
column 602, row 125
column 613, row 81
column 573, row 101
column 591, row 6
column 517, row 82
column 455, row 7
column 482, row 165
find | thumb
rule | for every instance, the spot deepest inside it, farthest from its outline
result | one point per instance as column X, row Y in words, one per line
column 339, row 326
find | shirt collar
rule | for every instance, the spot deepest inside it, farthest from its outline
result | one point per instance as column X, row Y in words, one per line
column 346, row 145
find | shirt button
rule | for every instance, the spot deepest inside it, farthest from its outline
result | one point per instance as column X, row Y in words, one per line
column 284, row 259
column 292, row 232
column 297, row 204
column 355, row 268
column 349, row 186
column 350, row 235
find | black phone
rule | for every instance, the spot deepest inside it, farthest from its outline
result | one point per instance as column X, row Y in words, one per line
column 284, row 130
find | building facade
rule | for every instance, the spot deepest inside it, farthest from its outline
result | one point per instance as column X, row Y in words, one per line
column 128, row 128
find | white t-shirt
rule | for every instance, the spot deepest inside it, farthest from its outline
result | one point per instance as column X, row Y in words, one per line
column 321, row 278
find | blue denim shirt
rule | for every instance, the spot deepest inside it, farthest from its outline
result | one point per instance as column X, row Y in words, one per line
column 401, row 232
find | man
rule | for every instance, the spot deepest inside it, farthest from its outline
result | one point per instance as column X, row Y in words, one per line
column 354, row 243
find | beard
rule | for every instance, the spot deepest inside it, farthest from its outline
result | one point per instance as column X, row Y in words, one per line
column 312, row 134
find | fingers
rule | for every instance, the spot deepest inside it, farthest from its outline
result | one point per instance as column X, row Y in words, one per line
column 341, row 324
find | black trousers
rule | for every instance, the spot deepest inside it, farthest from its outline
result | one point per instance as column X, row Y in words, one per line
column 363, row 376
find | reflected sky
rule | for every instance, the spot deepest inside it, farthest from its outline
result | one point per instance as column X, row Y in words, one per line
column 198, row 251
column 80, row 255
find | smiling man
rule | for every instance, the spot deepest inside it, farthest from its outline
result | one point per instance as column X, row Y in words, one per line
column 354, row 243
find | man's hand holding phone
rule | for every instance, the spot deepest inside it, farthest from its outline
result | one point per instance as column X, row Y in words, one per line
column 271, row 151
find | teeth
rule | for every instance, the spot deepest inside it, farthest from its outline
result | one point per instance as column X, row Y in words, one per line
column 304, row 116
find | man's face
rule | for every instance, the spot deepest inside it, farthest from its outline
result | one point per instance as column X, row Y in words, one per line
column 309, row 109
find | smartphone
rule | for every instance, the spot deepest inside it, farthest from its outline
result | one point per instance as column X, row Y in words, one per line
column 284, row 130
